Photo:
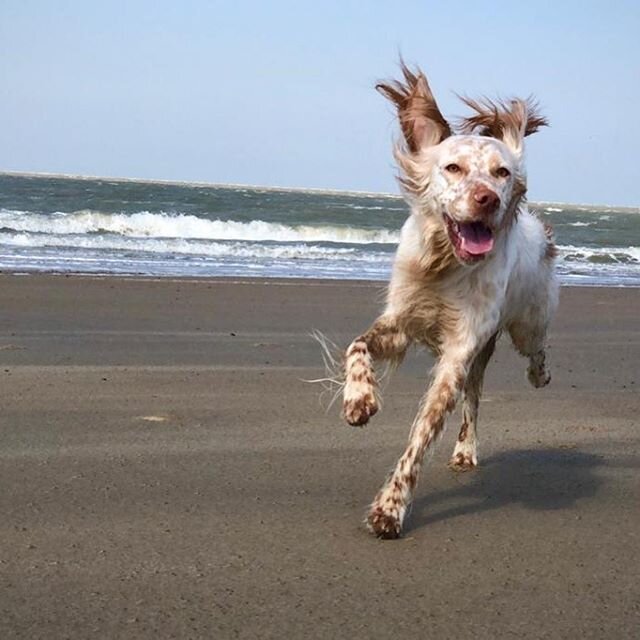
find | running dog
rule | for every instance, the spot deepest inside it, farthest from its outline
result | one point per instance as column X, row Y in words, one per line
column 472, row 262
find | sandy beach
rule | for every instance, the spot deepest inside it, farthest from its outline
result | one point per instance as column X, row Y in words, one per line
column 167, row 473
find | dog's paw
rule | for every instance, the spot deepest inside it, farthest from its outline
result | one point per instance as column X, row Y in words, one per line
column 383, row 524
column 538, row 376
column 461, row 462
column 358, row 410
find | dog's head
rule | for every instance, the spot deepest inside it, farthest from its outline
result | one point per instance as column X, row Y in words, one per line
column 472, row 181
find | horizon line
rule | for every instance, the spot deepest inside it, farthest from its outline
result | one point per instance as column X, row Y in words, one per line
column 194, row 183
column 232, row 185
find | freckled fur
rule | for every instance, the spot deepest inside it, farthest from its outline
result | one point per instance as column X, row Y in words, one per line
column 438, row 298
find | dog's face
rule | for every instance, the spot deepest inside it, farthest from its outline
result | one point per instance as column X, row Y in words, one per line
column 472, row 183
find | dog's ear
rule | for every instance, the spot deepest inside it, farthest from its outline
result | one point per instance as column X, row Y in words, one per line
column 421, row 121
column 509, row 121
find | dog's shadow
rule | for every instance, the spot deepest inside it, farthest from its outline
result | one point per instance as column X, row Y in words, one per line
column 534, row 478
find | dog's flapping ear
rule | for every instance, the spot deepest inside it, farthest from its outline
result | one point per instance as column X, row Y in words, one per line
column 508, row 121
column 421, row 121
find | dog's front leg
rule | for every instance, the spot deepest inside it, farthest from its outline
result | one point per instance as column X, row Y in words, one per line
column 529, row 339
column 390, row 505
column 385, row 340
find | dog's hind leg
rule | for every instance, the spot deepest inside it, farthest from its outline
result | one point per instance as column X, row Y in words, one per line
column 385, row 340
column 465, row 453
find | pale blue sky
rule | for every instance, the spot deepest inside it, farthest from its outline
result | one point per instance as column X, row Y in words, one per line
column 281, row 93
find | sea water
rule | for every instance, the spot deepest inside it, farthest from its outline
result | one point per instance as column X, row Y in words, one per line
column 128, row 227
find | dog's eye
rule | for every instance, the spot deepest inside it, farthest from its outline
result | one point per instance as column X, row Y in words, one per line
column 503, row 172
column 453, row 168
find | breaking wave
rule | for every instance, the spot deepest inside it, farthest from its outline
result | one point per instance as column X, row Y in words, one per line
column 615, row 255
column 199, row 248
column 164, row 225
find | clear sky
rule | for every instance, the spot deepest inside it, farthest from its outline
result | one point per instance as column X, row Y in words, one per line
column 281, row 93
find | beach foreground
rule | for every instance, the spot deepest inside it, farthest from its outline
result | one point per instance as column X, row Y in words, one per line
column 167, row 472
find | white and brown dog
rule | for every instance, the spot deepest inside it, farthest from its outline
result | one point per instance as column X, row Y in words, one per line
column 472, row 262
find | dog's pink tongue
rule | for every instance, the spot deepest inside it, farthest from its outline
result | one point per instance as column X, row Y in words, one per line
column 476, row 238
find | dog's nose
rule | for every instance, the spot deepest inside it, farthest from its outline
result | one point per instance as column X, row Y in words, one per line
column 486, row 200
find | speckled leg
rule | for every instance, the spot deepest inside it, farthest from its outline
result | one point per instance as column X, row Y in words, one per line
column 390, row 505
column 465, row 453
column 384, row 341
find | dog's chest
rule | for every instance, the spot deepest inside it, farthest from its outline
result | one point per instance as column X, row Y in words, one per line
column 480, row 300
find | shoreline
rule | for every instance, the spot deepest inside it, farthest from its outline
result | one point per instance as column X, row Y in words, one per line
column 266, row 280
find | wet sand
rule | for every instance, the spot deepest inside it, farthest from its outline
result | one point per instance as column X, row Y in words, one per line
column 167, row 473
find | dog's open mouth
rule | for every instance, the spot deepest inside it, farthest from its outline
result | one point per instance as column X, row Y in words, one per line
column 472, row 241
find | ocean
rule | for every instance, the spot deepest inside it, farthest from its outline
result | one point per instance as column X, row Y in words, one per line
column 129, row 227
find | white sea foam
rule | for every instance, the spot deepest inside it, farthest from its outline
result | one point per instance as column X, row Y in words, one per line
column 356, row 207
column 195, row 248
column 163, row 225
column 191, row 235
column 615, row 254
